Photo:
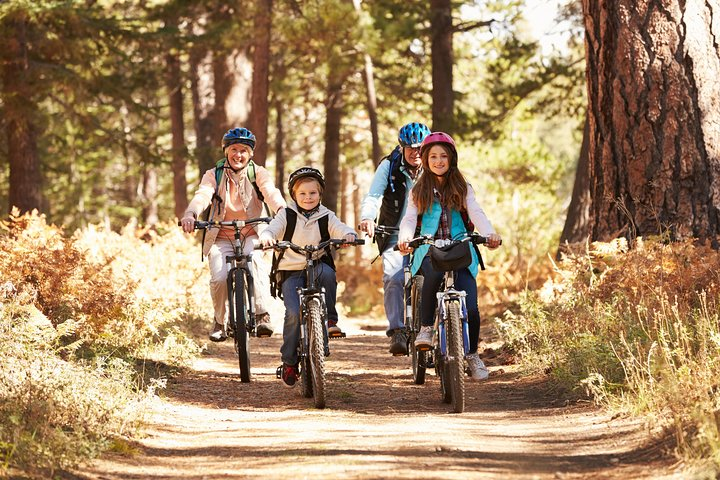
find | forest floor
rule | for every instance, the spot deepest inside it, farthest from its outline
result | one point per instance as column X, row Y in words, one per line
column 378, row 424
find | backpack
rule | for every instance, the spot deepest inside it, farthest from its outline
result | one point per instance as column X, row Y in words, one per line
column 216, row 199
column 277, row 277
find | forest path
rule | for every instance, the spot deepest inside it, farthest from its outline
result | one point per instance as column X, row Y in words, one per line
column 377, row 424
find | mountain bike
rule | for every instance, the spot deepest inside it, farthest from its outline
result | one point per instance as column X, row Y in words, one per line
column 241, row 290
column 452, row 342
column 313, row 346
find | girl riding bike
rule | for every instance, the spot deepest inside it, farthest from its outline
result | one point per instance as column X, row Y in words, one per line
column 444, row 204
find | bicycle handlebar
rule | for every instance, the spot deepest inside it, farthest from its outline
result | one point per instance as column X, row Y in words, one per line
column 202, row 224
column 283, row 244
column 430, row 240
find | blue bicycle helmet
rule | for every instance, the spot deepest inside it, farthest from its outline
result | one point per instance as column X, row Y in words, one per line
column 238, row 135
column 412, row 134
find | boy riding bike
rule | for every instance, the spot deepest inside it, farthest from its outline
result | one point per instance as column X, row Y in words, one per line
column 306, row 187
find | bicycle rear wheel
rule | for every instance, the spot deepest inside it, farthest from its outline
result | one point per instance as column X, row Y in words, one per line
column 455, row 372
column 317, row 351
column 419, row 358
column 242, row 340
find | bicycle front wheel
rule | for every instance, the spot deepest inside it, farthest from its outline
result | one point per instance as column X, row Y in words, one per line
column 419, row 358
column 455, row 362
column 317, row 351
column 242, row 337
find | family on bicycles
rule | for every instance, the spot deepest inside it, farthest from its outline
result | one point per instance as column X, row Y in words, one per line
column 418, row 188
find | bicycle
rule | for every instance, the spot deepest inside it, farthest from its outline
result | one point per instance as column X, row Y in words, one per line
column 313, row 346
column 452, row 342
column 241, row 290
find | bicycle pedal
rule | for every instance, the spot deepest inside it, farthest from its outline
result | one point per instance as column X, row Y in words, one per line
column 335, row 336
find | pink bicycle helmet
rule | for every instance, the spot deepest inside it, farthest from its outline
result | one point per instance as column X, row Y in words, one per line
column 439, row 137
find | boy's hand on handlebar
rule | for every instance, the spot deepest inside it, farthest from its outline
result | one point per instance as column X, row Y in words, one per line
column 493, row 241
column 350, row 238
column 367, row 226
column 188, row 224
column 267, row 242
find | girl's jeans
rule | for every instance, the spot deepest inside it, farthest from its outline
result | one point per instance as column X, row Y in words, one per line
column 463, row 281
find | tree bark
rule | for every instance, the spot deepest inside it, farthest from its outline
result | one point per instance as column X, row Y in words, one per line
column 577, row 222
column 279, row 148
column 443, row 98
column 25, row 190
column 371, row 102
column 203, row 98
column 331, row 161
column 261, row 79
column 177, row 127
column 654, row 118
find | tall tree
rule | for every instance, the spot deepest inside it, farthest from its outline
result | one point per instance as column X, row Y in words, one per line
column 261, row 78
column 654, row 122
column 18, row 109
column 177, row 127
column 441, row 38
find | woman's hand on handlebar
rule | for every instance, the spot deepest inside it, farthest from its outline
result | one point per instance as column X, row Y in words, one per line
column 188, row 224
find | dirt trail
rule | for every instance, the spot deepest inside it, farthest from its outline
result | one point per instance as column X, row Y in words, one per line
column 378, row 424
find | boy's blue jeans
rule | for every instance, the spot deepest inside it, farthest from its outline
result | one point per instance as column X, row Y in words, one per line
column 291, row 330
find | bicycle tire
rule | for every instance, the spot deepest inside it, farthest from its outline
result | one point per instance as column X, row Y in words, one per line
column 419, row 358
column 317, row 351
column 242, row 336
column 455, row 364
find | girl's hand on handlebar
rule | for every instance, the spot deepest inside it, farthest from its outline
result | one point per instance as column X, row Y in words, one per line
column 403, row 246
column 493, row 241
column 188, row 224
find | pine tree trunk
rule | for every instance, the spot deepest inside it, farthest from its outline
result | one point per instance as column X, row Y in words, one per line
column 654, row 121
column 331, row 161
column 25, row 190
column 442, row 65
column 261, row 79
column 203, row 98
column 177, row 127
column 577, row 222
column 279, row 148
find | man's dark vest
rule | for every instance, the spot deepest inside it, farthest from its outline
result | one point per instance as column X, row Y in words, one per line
column 393, row 197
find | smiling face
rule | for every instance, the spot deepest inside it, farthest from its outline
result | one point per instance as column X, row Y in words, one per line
column 412, row 156
column 307, row 193
column 438, row 160
column 238, row 154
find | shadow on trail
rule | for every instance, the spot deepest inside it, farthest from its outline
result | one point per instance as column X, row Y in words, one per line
column 361, row 377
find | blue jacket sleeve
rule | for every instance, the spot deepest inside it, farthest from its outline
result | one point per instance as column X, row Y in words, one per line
column 371, row 203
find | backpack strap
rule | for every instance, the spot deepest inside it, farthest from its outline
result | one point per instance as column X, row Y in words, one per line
column 324, row 236
column 469, row 228
column 276, row 276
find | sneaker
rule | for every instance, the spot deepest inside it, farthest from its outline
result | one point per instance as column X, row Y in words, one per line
column 288, row 373
column 478, row 370
column 218, row 333
column 424, row 338
column 263, row 327
column 398, row 342
column 334, row 331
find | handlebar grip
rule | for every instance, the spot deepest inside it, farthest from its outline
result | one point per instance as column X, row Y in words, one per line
column 359, row 241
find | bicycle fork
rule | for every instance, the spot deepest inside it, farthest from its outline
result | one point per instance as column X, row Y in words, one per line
column 305, row 296
column 443, row 299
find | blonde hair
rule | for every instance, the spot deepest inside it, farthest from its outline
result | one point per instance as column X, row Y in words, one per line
column 305, row 180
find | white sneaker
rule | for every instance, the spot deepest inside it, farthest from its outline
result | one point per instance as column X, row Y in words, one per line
column 478, row 370
column 424, row 337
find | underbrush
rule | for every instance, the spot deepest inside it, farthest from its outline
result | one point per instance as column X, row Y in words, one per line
column 637, row 330
column 89, row 324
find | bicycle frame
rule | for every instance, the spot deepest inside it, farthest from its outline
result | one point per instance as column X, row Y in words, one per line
column 444, row 297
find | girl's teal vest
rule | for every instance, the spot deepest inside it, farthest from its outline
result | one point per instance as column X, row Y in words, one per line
column 430, row 224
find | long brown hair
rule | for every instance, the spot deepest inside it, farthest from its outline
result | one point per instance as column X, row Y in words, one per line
column 453, row 190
